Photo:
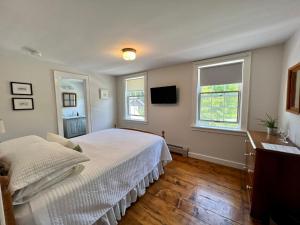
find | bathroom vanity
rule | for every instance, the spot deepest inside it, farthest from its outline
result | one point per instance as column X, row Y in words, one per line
column 74, row 126
column 272, row 174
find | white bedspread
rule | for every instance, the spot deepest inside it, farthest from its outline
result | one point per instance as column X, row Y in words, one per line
column 119, row 160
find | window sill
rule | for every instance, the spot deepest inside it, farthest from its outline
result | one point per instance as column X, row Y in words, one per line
column 136, row 121
column 235, row 132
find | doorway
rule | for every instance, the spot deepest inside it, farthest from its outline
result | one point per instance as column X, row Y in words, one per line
column 72, row 104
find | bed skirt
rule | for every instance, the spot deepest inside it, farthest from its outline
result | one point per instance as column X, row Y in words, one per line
column 117, row 211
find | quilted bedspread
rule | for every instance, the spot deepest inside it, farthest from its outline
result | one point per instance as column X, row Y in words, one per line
column 119, row 160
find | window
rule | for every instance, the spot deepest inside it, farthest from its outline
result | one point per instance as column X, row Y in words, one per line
column 219, row 105
column 69, row 99
column 222, row 92
column 135, row 103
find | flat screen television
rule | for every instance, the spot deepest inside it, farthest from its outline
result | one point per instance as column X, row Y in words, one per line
column 163, row 95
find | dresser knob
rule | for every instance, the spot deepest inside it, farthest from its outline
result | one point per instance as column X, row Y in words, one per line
column 248, row 187
column 249, row 154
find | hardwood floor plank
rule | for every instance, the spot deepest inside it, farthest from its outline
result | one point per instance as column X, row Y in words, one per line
column 193, row 192
column 170, row 213
column 228, row 181
column 206, row 187
column 186, row 183
column 154, row 211
column 175, row 195
column 209, row 217
column 131, row 218
column 200, row 164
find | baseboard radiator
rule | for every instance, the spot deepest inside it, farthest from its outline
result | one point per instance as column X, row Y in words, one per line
column 184, row 151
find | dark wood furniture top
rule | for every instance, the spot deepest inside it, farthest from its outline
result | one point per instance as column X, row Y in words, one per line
column 273, row 178
column 258, row 137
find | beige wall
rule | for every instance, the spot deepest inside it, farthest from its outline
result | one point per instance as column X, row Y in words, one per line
column 265, row 82
column 291, row 56
column 23, row 68
column 176, row 119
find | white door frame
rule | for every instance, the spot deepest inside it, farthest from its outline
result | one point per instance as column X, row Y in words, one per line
column 58, row 76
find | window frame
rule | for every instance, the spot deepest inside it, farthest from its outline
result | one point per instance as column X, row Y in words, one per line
column 126, row 116
column 244, row 90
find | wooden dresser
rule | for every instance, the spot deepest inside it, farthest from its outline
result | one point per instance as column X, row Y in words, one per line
column 273, row 177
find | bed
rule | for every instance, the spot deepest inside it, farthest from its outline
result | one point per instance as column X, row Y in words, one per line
column 122, row 164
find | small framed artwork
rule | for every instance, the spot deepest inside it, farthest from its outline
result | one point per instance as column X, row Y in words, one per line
column 18, row 88
column 69, row 99
column 104, row 94
column 22, row 103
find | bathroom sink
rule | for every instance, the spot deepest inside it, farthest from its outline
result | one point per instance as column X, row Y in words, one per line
column 281, row 148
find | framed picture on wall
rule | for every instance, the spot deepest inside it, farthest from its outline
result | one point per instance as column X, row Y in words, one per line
column 22, row 103
column 104, row 94
column 18, row 88
column 69, row 99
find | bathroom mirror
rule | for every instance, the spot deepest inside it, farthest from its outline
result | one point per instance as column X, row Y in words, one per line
column 293, row 90
column 69, row 99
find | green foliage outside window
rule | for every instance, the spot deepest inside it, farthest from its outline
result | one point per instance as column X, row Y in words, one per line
column 219, row 105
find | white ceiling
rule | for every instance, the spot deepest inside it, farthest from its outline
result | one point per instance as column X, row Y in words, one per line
column 89, row 34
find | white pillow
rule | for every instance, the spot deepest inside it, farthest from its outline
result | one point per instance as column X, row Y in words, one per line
column 25, row 194
column 32, row 162
column 17, row 144
column 61, row 140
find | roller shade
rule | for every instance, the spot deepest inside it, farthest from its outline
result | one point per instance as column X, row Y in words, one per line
column 221, row 74
column 135, row 84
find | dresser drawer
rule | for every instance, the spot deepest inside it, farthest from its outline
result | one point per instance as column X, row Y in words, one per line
column 249, row 183
column 250, row 156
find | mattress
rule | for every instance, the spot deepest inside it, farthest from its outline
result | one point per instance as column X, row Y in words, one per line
column 120, row 159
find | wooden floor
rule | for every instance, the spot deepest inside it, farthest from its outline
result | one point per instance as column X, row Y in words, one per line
column 192, row 192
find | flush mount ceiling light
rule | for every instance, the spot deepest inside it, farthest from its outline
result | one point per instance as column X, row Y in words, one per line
column 129, row 54
column 31, row 51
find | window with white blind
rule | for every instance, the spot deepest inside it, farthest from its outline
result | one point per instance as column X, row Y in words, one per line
column 222, row 93
column 135, row 104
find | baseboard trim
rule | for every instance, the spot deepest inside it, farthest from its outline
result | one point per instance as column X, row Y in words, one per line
column 216, row 160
